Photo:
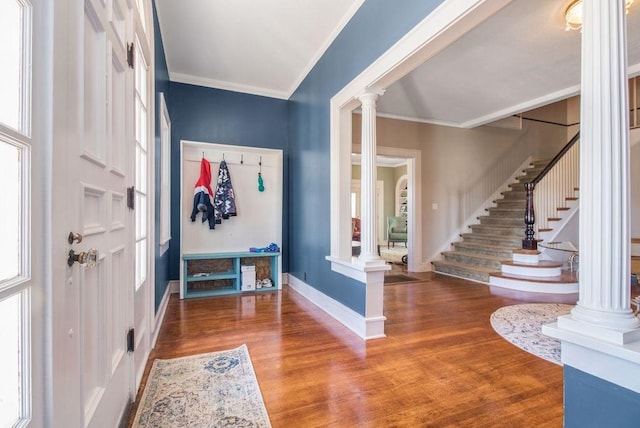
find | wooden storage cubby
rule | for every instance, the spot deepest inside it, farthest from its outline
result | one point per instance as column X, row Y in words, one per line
column 214, row 274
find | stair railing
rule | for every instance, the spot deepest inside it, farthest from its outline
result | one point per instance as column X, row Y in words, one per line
column 555, row 183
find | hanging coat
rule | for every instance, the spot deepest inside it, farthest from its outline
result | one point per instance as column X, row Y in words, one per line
column 202, row 195
column 224, row 201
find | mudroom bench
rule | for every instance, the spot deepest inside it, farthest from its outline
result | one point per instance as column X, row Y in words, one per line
column 216, row 274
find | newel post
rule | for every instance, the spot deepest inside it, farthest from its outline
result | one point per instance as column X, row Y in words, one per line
column 529, row 243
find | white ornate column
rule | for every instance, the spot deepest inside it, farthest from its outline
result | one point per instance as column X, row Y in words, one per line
column 597, row 336
column 604, row 181
column 368, row 179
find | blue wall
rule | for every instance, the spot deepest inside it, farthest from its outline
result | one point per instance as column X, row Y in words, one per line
column 161, row 86
column 376, row 26
column 224, row 117
column 592, row 402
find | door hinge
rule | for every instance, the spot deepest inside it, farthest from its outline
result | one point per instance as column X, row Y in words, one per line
column 131, row 197
column 131, row 340
column 130, row 54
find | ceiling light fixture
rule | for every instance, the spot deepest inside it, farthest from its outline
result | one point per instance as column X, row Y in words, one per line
column 573, row 14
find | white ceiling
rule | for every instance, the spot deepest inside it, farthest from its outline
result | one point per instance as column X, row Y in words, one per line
column 519, row 59
column 254, row 46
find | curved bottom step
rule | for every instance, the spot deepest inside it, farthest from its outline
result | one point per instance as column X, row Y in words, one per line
column 566, row 283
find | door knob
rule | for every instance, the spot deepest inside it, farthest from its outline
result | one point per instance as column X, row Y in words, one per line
column 88, row 258
column 74, row 237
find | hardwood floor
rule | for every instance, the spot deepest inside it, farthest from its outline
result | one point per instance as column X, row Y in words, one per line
column 441, row 364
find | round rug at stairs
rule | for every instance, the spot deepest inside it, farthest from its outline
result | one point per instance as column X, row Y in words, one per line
column 522, row 326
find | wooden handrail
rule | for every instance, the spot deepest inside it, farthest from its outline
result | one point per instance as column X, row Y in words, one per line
column 529, row 242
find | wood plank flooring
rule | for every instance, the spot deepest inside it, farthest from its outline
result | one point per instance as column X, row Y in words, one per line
column 441, row 364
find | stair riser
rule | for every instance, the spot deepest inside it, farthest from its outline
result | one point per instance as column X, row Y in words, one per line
column 529, row 174
column 485, row 251
column 506, row 213
column 502, row 221
column 490, row 230
column 517, row 187
column 460, row 272
column 496, row 240
column 512, row 194
column 473, row 261
column 511, row 203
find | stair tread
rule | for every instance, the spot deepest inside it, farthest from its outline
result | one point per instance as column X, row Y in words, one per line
column 464, row 266
column 475, row 255
column 493, row 236
column 487, row 246
column 501, row 209
column 501, row 217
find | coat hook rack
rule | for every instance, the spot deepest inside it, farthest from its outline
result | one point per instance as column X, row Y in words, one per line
column 260, row 179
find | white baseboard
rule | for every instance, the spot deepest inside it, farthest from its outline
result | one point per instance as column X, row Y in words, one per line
column 363, row 327
column 172, row 288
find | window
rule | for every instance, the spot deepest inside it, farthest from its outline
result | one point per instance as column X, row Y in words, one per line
column 15, row 257
column 142, row 162
column 15, row 51
column 165, row 176
column 10, row 215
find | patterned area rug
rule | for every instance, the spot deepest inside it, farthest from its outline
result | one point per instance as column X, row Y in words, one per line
column 522, row 326
column 207, row 390
column 393, row 254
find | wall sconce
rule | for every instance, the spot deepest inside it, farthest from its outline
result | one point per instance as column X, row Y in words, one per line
column 573, row 14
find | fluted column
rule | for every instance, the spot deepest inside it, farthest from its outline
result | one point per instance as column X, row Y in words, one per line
column 604, row 300
column 368, row 179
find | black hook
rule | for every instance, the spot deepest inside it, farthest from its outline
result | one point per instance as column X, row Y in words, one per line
column 260, row 163
column 241, row 159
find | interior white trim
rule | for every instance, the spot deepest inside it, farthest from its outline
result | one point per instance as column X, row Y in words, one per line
column 366, row 328
column 227, row 86
column 173, row 287
column 611, row 362
column 526, row 106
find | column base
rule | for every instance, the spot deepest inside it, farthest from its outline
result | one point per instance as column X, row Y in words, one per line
column 612, row 335
column 603, row 359
column 370, row 260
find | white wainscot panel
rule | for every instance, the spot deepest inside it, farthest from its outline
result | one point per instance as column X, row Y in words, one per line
column 117, row 210
column 93, row 210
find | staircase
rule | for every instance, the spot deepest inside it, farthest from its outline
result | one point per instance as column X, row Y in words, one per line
column 493, row 241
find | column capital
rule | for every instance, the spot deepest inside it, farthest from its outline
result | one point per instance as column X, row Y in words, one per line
column 370, row 95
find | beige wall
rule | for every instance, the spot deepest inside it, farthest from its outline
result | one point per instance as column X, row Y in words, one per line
column 461, row 168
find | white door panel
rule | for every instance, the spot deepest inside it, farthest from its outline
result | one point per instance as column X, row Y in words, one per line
column 94, row 164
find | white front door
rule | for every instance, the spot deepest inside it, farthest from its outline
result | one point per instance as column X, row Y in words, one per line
column 94, row 163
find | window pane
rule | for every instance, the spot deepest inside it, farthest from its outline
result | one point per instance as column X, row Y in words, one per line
column 141, row 262
column 10, row 201
column 11, row 69
column 10, row 364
